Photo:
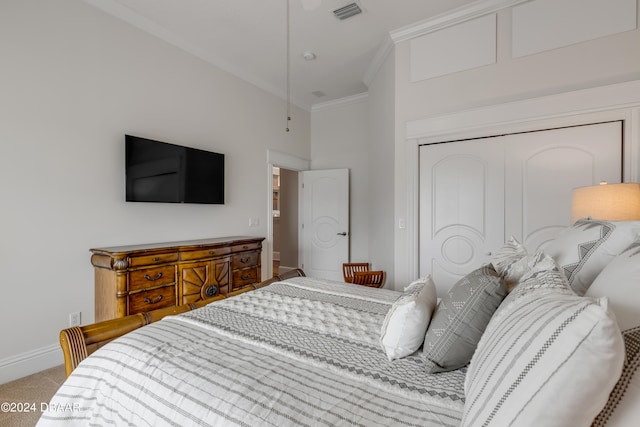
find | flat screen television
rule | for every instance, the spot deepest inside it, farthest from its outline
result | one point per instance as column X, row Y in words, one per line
column 168, row 173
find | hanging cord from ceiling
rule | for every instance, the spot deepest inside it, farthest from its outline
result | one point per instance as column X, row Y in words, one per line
column 288, row 71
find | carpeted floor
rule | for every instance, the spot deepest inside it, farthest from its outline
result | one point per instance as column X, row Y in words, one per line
column 32, row 392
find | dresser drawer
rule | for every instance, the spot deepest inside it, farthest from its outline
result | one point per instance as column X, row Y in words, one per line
column 201, row 254
column 249, row 259
column 152, row 300
column 152, row 277
column 246, row 247
column 142, row 260
column 245, row 277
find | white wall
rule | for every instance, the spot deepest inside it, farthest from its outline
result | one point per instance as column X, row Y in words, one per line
column 73, row 81
column 340, row 139
column 606, row 60
column 358, row 133
column 381, row 128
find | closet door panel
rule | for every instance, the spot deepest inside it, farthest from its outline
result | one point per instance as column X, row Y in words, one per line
column 461, row 207
column 542, row 169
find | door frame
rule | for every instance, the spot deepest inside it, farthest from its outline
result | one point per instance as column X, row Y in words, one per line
column 286, row 161
column 619, row 101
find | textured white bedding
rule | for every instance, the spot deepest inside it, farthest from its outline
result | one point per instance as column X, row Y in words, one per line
column 299, row 352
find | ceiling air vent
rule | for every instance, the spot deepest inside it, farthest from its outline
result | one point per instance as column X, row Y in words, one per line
column 347, row 11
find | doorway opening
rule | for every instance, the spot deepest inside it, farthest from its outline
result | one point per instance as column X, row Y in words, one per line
column 284, row 220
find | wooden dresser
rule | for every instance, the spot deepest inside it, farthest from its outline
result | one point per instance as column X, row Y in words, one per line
column 139, row 278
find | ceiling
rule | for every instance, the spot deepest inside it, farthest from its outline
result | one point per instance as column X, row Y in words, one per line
column 248, row 38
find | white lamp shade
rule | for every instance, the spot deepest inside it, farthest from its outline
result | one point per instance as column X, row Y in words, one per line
column 612, row 202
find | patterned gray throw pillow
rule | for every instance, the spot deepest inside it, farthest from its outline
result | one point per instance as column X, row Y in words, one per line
column 622, row 407
column 585, row 248
column 461, row 318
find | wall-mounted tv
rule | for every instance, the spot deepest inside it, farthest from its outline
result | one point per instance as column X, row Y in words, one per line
column 167, row 173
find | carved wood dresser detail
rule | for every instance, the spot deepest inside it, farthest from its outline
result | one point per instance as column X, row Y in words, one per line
column 138, row 278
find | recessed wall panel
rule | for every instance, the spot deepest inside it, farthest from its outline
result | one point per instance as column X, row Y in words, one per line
column 543, row 25
column 461, row 47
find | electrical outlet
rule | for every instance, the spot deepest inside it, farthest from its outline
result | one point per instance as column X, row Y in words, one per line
column 74, row 318
column 254, row 222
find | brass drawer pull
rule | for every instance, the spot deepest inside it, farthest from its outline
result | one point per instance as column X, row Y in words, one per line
column 155, row 301
column 211, row 290
column 212, row 252
column 245, row 260
column 158, row 276
column 156, row 259
column 245, row 277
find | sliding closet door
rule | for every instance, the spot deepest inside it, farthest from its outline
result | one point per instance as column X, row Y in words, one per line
column 461, row 207
column 541, row 170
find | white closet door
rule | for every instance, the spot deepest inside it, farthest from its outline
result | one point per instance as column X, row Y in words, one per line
column 474, row 194
column 543, row 167
column 461, row 207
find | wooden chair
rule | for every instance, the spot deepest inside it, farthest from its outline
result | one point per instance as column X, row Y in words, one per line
column 348, row 269
column 374, row 279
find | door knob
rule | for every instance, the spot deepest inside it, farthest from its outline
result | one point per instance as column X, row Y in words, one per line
column 344, row 233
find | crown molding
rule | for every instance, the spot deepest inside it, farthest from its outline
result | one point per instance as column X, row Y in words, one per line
column 381, row 55
column 456, row 16
column 459, row 15
column 129, row 16
column 347, row 100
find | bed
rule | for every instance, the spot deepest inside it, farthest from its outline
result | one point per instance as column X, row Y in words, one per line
column 517, row 342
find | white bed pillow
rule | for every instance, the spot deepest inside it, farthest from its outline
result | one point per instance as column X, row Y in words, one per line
column 550, row 359
column 406, row 322
column 620, row 282
column 585, row 248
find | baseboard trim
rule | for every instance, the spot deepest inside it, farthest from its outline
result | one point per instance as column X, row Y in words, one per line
column 30, row 362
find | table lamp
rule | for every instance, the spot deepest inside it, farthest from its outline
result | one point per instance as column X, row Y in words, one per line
column 612, row 202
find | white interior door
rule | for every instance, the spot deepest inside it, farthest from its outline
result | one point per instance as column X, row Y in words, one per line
column 542, row 169
column 325, row 222
column 461, row 207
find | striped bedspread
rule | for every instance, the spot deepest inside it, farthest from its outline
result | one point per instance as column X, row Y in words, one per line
column 300, row 352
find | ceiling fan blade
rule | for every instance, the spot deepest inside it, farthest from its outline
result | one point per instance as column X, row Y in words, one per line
column 311, row 4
